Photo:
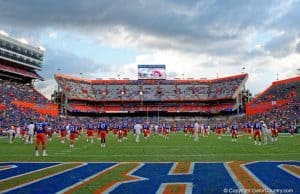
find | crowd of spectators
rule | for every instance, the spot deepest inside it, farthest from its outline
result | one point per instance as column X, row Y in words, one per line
column 285, row 114
column 12, row 91
column 278, row 91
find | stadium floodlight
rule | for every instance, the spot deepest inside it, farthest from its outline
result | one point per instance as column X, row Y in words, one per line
column 2, row 32
column 141, row 93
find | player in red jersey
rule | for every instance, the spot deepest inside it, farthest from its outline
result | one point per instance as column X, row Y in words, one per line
column 40, row 131
column 257, row 132
column 234, row 131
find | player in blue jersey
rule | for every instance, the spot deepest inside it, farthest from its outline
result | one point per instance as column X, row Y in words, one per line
column 73, row 134
column 63, row 133
column 249, row 129
column 234, row 131
column 90, row 132
column 40, row 131
column 218, row 130
column 257, row 132
column 125, row 130
column 102, row 130
column 274, row 130
column 185, row 129
column 120, row 132
column 145, row 130
column 206, row 130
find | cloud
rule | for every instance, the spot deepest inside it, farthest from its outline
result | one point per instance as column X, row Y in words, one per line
column 215, row 27
column 52, row 35
column 69, row 63
column 282, row 45
column 46, row 87
column 298, row 47
column 194, row 38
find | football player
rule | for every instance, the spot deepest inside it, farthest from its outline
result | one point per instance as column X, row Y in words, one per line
column 40, row 131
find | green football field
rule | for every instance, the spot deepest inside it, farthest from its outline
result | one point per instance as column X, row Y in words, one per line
column 156, row 149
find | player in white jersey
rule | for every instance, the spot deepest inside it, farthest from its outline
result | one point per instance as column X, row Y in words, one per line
column 156, row 131
column 266, row 133
column 197, row 129
column 137, row 128
column 18, row 132
column 11, row 134
column 29, row 135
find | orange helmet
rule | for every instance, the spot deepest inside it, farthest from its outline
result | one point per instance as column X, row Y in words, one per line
column 42, row 119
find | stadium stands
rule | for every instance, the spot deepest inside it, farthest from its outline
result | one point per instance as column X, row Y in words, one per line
column 80, row 92
column 20, row 103
column 278, row 102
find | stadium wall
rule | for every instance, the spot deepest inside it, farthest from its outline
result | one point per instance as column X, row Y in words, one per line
column 50, row 109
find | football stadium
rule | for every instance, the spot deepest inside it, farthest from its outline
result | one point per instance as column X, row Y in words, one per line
column 150, row 133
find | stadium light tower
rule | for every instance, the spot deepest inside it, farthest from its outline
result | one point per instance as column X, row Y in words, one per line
column 243, row 69
column 298, row 71
column 277, row 76
column 141, row 97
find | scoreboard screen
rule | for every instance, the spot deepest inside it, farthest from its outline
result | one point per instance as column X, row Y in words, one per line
column 152, row 72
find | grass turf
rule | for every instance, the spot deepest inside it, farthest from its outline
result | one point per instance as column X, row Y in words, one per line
column 156, row 149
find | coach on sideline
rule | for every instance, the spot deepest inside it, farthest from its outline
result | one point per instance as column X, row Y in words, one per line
column 137, row 128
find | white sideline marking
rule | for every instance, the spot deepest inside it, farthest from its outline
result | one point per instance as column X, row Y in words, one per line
column 288, row 171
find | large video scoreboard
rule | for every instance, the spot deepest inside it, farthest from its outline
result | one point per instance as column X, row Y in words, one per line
column 152, row 72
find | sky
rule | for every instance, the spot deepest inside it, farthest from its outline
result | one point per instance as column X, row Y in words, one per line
column 194, row 39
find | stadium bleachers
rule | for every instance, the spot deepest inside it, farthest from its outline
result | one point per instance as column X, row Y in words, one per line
column 128, row 91
column 278, row 102
column 21, row 103
column 222, row 88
